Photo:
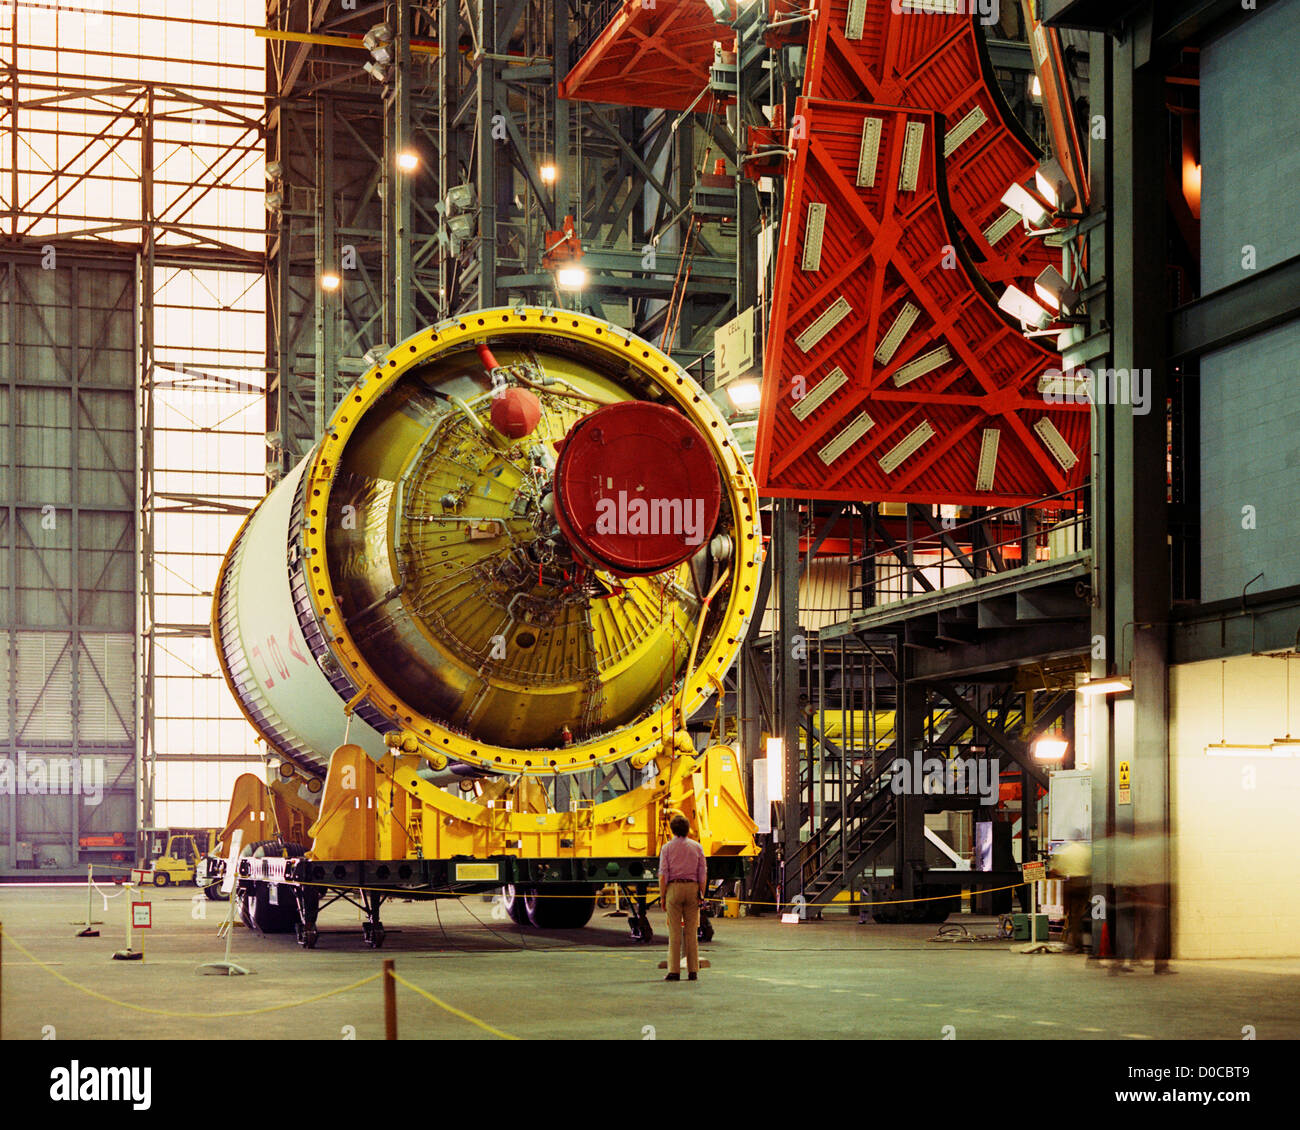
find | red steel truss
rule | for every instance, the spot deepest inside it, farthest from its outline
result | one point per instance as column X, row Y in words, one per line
column 890, row 373
column 937, row 61
column 651, row 55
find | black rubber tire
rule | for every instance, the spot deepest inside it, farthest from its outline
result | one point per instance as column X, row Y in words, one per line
column 243, row 906
column 161, row 878
column 269, row 918
column 515, row 901
column 571, row 910
column 213, row 891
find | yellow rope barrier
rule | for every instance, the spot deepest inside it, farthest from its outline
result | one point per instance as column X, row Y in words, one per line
column 402, row 892
column 450, row 1008
column 186, row 1015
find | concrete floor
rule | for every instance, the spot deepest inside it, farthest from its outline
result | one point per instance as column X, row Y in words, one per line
column 817, row 980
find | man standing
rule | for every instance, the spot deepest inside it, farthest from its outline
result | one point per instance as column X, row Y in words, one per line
column 683, row 883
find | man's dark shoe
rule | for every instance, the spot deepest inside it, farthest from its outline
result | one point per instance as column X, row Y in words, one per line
column 692, row 976
column 673, row 977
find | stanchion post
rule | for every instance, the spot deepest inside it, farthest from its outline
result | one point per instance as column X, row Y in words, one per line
column 89, row 930
column 390, row 1001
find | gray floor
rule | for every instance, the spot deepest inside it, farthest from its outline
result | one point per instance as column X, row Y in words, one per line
column 832, row 979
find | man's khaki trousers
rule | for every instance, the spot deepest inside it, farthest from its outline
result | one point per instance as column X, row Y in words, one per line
column 682, row 901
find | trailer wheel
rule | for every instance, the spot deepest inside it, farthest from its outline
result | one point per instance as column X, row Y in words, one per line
column 570, row 911
column 515, row 901
column 213, row 892
column 267, row 917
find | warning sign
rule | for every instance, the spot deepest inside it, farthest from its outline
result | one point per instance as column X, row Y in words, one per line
column 141, row 916
column 1035, row 872
column 1123, row 789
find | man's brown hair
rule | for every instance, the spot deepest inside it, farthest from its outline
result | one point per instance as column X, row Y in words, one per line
column 679, row 826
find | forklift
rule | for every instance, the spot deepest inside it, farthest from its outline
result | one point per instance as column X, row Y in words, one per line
column 171, row 855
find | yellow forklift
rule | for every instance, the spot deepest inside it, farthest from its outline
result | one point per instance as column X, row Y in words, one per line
column 171, row 855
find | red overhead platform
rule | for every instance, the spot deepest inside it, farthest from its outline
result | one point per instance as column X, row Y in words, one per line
column 651, row 55
column 936, row 60
column 890, row 373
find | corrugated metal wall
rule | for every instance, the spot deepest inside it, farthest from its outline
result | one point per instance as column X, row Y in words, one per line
column 68, row 532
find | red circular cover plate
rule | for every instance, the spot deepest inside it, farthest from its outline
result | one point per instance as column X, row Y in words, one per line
column 637, row 488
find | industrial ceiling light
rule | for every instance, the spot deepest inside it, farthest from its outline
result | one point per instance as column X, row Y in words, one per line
column 549, row 173
column 1030, row 208
column 274, row 201
column 274, row 170
column 1055, row 292
column 1053, row 185
column 460, row 198
column 1287, row 744
column 1020, row 306
column 408, row 160
column 462, row 227
column 379, row 42
column 376, row 71
column 1050, row 747
column 1036, row 88
column 745, row 395
column 1114, row 684
column 571, row 278
column 330, row 281
column 375, row 355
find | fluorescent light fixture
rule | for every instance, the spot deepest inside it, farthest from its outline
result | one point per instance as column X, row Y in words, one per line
column 820, row 393
column 775, row 769
column 913, row 139
column 855, row 21
column 869, row 152
column 1114, row 684
column 831, row 317
column 1003, row 224
column 1054, row 292
column 988, row 464
column 330, row 281
column 1024, row 202
column 1233, row 749
column 408, row 160
column 571, row 278
column 745, row 395
column 907, row 447
column 846, row 439
column 814, row 230
column 903, row 321
column 549, row 173
column 1053, row 185
column 1292, row 745
column 1055, row 443
column 1023, row 308
column 963, row 129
